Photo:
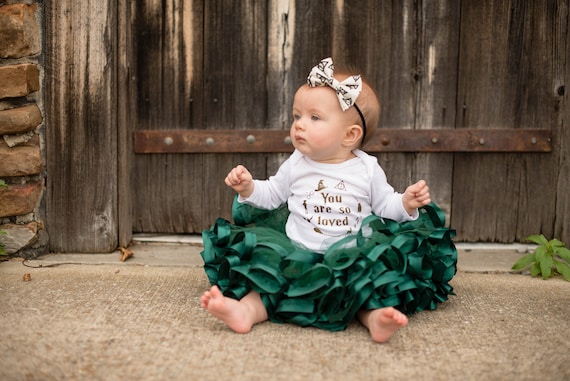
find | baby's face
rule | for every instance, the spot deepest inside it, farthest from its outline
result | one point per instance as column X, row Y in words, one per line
column 319, row 124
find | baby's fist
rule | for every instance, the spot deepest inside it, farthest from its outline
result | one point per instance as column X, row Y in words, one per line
column 416, row 195
column 240, row 180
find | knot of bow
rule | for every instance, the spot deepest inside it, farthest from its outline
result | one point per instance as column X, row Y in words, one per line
column 347, row 91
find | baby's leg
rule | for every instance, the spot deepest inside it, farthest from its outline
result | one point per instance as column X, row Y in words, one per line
column 382, row 322
column 240, row 315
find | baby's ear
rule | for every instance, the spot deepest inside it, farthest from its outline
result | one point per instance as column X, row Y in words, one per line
column 353, row 135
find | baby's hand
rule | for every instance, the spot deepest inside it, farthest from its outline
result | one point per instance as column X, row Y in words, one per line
column 240, row 180
column 416, row 195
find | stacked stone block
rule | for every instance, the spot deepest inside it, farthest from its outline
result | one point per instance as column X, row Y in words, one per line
column 21, row 130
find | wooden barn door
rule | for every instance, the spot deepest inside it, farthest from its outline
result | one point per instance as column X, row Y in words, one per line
column 149, row 103
column 209, row 82
column 207, row 68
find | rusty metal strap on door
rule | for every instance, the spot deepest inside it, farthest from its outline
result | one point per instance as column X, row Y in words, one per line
column 384, row 140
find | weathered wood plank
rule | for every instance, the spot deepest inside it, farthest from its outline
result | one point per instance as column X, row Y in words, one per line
column 177, row 184
column 543, row 60
column 561, row 54
column 438, row 45
column 281, row 85
column 235, row 94
column 168, row 87
column 484, row 200
column 125, row 129
column 81, row 133
column 385, row 140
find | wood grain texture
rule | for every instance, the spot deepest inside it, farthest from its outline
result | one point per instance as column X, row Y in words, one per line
column 202, row 65
column 508, row 68
column 561, row 183
column 436, row 66
column 438, row 46
column 125, row 129
column 81, row 125
column 116, row 69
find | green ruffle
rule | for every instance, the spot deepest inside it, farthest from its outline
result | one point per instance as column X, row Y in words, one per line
column 405, row 265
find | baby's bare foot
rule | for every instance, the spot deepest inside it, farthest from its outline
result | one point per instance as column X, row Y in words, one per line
column 228, row 310
column 384, row 322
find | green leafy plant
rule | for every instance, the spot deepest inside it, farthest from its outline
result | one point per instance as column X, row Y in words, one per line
column 2, row 252
column 549, row 258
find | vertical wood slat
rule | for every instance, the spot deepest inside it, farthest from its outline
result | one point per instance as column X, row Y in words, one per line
column 280, row 62
column 562, row 103
column 234, row 59
column 438, row 44
column 168, row 90
column 125, row 155
column 280, row 87
column 81, row 140
column 542, row 61
column 483, row 30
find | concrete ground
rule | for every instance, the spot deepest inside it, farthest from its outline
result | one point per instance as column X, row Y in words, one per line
column 92, row 317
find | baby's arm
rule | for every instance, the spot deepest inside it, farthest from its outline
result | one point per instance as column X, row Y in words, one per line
column 416, row 195
column 240, row 180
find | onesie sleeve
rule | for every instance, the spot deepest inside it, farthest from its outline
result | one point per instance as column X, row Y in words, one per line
column 384, row 200
column 273, row 192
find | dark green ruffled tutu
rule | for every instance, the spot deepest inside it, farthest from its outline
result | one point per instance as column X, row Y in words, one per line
column 405, row 265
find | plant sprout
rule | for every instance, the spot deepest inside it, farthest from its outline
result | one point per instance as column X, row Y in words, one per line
column 549, row 258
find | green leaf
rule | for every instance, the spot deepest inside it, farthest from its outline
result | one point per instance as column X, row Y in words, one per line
column 539, row 239
column 535, row 269
column 556, row 243
column 523, row 261
column 540, row 253
column 563, row 269
column 563, row 253
column 546, row 266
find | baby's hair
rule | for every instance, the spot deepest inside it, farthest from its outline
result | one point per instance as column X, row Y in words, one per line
column 367, row 101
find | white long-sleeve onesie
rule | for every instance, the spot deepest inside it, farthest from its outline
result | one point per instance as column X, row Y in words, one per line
column 328, row 201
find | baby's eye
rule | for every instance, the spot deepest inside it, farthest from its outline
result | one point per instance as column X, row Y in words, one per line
column 315, row 117
column 296, row 116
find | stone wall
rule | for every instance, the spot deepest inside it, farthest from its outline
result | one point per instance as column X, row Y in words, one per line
column 22, row 153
